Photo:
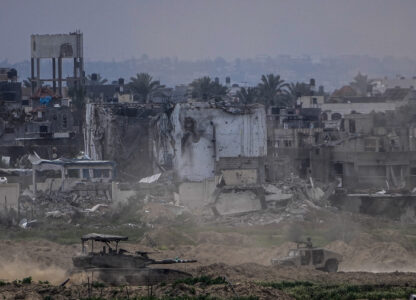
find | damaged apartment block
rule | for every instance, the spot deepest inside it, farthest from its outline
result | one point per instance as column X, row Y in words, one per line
column 218, row 155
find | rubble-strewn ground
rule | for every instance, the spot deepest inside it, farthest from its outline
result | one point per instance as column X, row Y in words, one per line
column 239, row 253
column 379, row 254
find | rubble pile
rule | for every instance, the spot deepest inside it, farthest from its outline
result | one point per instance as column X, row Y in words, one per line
column 291, row 199
column 59, row 204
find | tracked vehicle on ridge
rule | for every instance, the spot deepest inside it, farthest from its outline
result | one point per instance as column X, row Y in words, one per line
column 114, row 265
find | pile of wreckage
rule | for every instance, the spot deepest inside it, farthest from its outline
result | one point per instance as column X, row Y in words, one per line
column 291, row 199
column 67, row 188
column 62, row 188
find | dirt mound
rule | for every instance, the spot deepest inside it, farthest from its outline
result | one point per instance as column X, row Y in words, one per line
column 43, row 260
column 219, row 291
column 225, row 291
column 157, row 213
column 227, row 238
column 166, row 238
column 364, row 253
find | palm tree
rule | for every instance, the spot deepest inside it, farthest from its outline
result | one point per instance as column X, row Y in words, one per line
column 247, row 95
column 272, row 90
column 298, row 89
column 98, row 81
column 204, row 88
column 361, row 84
column 144, row 86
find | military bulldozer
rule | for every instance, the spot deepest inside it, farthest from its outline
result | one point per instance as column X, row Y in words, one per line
column 310, row 257
column 114, row 265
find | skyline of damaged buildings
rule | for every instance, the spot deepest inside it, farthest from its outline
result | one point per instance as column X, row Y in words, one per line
column 220, row 152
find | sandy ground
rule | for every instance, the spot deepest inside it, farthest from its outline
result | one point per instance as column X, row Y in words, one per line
column 232, row 255
column 45, row 260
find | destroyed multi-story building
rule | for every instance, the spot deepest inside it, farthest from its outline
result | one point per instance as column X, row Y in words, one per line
column 292, row 133
column 43, row 120
column 364, row 145
column 216, row 145
column 121, row 132
column 203, row 143
column 372, row 152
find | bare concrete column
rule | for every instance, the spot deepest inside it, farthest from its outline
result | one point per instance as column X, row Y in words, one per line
column 60, row 76
column 37, row 73
column 54, row 74
column 81, row 71
column 75, row 82
column 63, row 177
column 32, row 74
column 34, row 178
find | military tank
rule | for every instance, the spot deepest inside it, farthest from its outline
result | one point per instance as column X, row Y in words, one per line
column 114, row 265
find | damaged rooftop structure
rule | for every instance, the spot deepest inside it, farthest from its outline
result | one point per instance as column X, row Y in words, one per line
column 69, row 174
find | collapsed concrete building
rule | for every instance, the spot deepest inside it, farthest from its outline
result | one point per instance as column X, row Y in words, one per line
column 206, row 145
column 365, row 146
column 218, row 154
column 121, row 132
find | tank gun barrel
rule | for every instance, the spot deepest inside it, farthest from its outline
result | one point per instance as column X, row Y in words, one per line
column 174, row 261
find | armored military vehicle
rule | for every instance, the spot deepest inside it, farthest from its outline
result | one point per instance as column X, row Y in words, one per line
column 305, row 255
column 114, row 265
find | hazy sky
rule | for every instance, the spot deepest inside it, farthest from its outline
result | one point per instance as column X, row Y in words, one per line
column 122, row 29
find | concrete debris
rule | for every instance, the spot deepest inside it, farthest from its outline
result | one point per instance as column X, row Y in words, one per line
column 60, row 204
column 24, row 223
column 273, row 193
column 54, row 214
column 150, row 179
column 291, row 199
column 235, row 202
column 96, row 208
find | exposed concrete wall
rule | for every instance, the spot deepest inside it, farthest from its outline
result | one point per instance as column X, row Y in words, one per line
column 203, row 134
column 234, row 164
column 49, row 45
column 197, row 195
column 363, row 108
column 50, row 184
column 9, row 196
column 120, row 196
column 311, row 101
column 120, row 132
column 240, row 177
column 237, row 202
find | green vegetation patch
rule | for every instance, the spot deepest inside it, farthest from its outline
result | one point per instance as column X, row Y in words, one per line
column 309, row 290
column 201, row 297
column 206, row 280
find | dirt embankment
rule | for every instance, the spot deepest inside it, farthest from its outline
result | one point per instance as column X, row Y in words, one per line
column 225, row 254
column 43, row 260
column 364, row 253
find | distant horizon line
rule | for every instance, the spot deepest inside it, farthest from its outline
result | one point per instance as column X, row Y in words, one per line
column 312, row 57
